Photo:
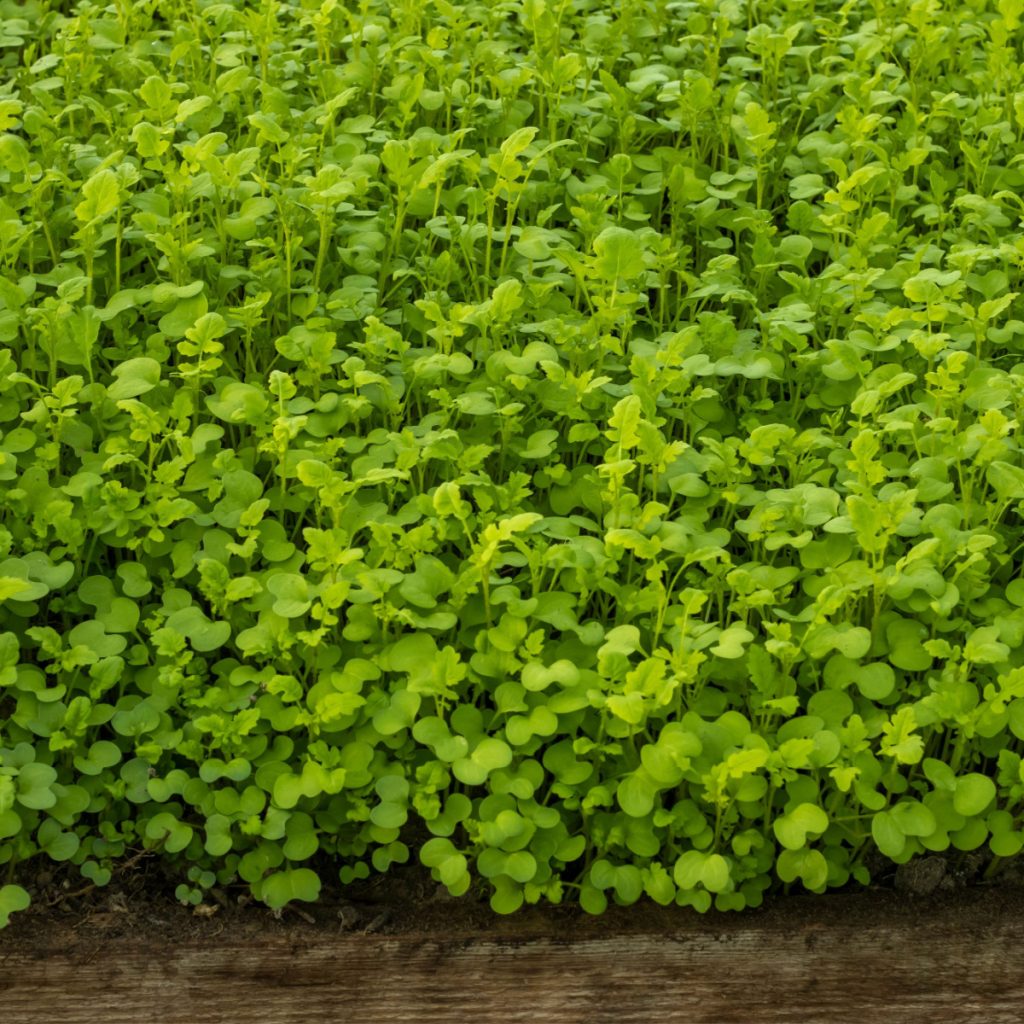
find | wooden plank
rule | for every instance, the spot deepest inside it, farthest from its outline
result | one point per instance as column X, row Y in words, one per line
column 931, row 969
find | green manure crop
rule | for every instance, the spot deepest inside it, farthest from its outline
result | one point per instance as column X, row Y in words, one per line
column 573, row 445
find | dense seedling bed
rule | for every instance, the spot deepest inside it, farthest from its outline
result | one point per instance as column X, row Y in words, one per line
column 573, row 444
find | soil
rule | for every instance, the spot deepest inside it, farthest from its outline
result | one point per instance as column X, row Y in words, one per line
column 139, row 906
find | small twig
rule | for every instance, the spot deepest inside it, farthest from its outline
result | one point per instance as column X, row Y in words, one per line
column 132, row 861
column 71, row 895
column 119, row 868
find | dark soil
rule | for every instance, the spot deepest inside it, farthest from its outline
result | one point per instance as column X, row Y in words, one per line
column 138, row 906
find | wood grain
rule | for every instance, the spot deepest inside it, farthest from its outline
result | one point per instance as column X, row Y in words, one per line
column 931, row 972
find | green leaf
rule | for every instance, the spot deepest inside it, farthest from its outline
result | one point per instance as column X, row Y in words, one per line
column 282, row 887
column 34, row 786
column 900, row 740
column 851, row 641
column 399, row 714
column 238, row 403
column 715, row 873
column 792, row 829
column 973, row 794
column 13, row 898
column 636, row 794
column 431, row 579
column 488, row 756
column 875, row 681
column 12, row 587
column 269, row 130
column 913, row 818
column 58, row 844
column 292, row 594
column 389, row 815
column 184, row 314
column 1006, row 479
column 134, row 377
column 102, row 755
column 806, row 186
column 694, row 868
column 201, row 633
column 888, row 836
column 624, row 422
column 809, row 866
column 172, row 834
column 10, row 823
column 732, row 642
column 620, row 256
column 507, row 897
column 101, row 196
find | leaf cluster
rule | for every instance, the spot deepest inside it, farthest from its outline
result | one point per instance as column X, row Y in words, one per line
column 574, row 445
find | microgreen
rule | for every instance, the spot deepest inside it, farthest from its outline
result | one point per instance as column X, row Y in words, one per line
column 572, row 446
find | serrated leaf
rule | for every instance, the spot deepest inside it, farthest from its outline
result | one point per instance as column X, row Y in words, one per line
column 101, row 196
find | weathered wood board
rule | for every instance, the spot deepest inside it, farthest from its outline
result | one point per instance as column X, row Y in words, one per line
column 929, row 970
